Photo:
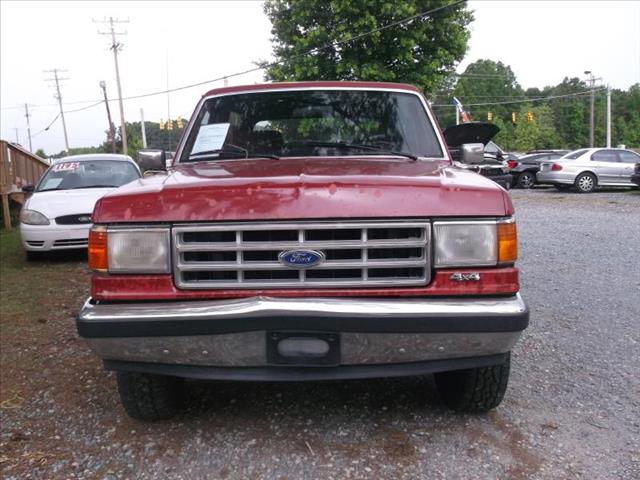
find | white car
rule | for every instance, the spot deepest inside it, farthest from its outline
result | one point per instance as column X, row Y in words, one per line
column 589, row 168
column 57, row 216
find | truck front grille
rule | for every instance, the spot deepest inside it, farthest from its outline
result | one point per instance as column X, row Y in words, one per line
column 247, row 255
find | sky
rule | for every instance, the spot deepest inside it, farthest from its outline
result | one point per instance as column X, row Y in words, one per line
column 181, row 43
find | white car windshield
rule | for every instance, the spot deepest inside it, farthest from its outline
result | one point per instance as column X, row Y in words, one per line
column 311, row 123
column 71, row 174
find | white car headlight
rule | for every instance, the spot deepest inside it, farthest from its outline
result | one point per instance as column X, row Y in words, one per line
column 479, row 243
column 33, row 217
column 143, row 250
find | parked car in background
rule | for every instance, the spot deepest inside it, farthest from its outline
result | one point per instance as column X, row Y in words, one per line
column 588, row 168
column 494, row 165
column 525, row 168
column 57, row 216
column 493, row 150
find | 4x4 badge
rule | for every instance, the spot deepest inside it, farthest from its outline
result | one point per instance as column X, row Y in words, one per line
column 465, row 277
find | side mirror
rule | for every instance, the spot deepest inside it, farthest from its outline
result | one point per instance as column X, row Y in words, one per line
column 29, row 188
column 152, row 159
column 472, row 153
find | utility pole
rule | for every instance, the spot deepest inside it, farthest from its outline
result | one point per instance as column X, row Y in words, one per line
column 17, row 137
column 112, row 128
column 26, row 114
column 168, row 97
column 608, row 116
column 58, row 96
column 592, row 82
column 116, row 46
column 144, row 133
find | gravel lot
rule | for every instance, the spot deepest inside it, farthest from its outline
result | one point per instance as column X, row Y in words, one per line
column 571, row 409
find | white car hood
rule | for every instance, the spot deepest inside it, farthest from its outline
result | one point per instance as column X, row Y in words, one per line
column 65, row 202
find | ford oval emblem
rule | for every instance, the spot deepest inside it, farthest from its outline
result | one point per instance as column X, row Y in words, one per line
column 301, row 258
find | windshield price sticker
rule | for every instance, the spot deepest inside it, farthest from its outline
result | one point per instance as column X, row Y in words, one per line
column 211, row 137
column 66, row 166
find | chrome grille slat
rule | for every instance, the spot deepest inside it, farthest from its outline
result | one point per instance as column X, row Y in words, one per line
column 230, row 247
column 203, row 266
column 244, row 255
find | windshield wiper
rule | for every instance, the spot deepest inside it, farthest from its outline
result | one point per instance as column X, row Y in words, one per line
column 264, row 155
column 94, row 186
column 240, row 151
column 227, row 149
column 356, row 146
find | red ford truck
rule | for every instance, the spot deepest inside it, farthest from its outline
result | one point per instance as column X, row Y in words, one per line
column 306, row 231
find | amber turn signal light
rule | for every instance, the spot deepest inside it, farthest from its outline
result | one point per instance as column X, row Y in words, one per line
column 507, row 242
column 98, row 249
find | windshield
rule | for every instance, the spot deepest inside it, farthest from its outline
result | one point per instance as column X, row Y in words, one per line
column 311, row 123
column 87, row 174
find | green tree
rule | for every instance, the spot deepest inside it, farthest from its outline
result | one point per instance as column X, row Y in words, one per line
column 539, row 132
column 505, row 138
column 40, row 153
column 484, row 82
column 571, row 113
column 421, row 52
column 625, row 108
column 156, row 138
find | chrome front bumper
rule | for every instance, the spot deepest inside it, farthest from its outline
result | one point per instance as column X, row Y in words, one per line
column 232, row 333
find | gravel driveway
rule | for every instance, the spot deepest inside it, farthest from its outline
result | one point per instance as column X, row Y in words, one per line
column 571, row 409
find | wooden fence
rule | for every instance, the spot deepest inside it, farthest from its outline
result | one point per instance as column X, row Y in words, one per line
column 18, row 167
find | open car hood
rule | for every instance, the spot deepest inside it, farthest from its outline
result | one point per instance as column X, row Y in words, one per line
column 473, row 132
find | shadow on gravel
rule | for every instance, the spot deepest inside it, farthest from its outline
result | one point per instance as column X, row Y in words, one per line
column 318, row 401
column 62, row 256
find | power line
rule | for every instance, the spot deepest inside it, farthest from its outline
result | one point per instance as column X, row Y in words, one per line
column 304, row 54
column 278, row 62
column 536, row 99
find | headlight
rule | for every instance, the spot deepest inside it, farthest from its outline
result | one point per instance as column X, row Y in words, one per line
column 478, row 244
column 134, row 250
column 33, row 217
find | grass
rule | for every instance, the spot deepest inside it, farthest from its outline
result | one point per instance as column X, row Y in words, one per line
column 29, row 288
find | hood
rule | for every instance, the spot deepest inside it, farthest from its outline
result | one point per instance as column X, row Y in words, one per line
column 303, row 188
column 65, row 202
column 474, row 132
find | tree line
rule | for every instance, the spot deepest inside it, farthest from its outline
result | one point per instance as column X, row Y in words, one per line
column 562, row 121
column 421, row 42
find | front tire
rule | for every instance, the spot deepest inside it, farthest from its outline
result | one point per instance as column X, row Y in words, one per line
column 526, row 180
column 475, row 390
column 150, row 397
column 586, row 183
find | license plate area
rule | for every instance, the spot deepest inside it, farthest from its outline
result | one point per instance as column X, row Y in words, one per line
column 303, row 348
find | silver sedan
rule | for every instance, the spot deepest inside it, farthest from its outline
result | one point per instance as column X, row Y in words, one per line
column 589, row 168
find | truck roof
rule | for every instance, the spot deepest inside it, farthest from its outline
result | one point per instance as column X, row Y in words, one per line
column 315, row 84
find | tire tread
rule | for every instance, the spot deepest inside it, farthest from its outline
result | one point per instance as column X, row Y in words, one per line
column 149, row 397
column 475, row 390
